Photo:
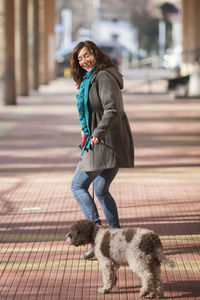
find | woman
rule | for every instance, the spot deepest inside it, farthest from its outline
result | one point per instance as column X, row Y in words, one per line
column 107, row 143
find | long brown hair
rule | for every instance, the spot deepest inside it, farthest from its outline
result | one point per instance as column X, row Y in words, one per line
column 102, row 61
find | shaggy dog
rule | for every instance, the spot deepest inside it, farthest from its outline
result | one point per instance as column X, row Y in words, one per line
column 139, row 248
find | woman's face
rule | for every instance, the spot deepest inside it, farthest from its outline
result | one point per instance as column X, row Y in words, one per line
column 86, row 59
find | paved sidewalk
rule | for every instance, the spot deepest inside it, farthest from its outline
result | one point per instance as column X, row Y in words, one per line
column 38, row 155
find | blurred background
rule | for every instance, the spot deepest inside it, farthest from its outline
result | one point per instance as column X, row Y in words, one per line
column 133, row 32
column 147, row 39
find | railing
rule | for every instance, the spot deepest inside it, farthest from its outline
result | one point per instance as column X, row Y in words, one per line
column 191, row 56
column 152, row 61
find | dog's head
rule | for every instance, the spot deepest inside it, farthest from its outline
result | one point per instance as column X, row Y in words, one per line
column 81, row 233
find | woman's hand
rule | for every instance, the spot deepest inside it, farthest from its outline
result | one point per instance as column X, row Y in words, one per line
column 94, row 140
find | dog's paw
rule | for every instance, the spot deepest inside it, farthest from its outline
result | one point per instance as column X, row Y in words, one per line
column 158, row 295
column 154, row 295
column 144, row 293
column 102, row 290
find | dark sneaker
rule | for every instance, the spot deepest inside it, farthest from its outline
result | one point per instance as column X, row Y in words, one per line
column 89, row 254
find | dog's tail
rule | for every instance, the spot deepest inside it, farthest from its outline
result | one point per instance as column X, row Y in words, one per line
column 170, row 263
column 164, row 260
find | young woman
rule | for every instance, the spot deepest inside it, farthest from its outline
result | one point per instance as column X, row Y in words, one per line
column 107, row 143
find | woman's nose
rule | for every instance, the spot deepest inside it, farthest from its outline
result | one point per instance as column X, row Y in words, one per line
column 84, row 60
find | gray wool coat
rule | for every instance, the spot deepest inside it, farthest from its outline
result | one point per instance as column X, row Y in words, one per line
column 109, row 123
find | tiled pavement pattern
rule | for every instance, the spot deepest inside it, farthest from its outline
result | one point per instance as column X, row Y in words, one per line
column 38, row 155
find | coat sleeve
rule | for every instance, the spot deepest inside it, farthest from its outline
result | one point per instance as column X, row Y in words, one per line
column 109, row 90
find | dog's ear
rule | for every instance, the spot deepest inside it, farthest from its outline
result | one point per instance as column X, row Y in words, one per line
column 76, row 237
column 82, row 232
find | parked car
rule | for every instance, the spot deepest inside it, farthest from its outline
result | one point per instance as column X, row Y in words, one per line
column 63, row 56
column 112, row 50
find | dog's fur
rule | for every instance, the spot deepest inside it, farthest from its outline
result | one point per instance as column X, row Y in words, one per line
column 139, row 248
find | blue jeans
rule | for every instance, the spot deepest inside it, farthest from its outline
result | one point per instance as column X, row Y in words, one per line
column 102, row 180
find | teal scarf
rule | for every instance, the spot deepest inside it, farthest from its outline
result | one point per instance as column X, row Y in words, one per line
column 82, row 100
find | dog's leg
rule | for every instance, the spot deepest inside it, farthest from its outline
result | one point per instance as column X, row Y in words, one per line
column 141, row 268
column 147, row 282
column 109, row 276
column 158, row 286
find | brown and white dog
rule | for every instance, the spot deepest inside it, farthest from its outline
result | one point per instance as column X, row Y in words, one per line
column 139, row 248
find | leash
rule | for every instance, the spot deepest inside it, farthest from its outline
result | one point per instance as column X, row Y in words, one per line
column 92, row 148
column 93, row 204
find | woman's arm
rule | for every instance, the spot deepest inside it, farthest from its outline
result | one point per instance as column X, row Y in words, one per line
column 108, row 92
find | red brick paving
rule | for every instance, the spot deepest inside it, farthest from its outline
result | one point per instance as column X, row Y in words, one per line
column 38, row 155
